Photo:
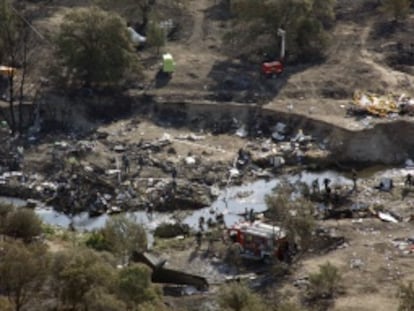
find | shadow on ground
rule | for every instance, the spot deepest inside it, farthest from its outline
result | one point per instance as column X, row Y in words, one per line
column 243, row 82
column 162, row 79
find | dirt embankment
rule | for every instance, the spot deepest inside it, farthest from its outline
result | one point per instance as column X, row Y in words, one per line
column 386, row 143
column 389, row 142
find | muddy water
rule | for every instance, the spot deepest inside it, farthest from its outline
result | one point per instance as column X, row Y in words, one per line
column 231, row 202
column 234, row 201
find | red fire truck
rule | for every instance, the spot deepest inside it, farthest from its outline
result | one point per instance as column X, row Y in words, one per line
column 260, row 241
column 276, row 67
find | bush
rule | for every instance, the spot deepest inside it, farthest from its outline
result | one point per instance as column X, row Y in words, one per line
column 135, row 285
column 399, row 9
column 4, row 211
column 324, row 284
column 166, row 231
column 237, row 297
column 156, row 35
column 123, row 235
column 97, row 241
column 23, row 224
column 406, row 296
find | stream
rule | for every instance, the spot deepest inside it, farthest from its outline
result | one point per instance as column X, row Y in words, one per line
column 231, row 202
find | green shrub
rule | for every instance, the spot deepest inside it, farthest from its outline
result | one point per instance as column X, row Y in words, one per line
column 96, row 240
column 406, row 296
column 166, row 230
column 398, row 9
column 325, row 283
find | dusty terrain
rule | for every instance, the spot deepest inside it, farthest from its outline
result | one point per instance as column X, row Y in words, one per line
column 359, row 58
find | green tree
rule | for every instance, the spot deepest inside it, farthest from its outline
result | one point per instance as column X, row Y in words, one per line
column 4, row 211
column 406, row 297
column 237, row 297
column 398, row 9
column 288, row 306
column 131, row 9
column 294, row 215
column 257, row 23
column 323, row 10
column 14, row 48
column 75, row 273
column 95, row 47
column 98, row 299
column 135, row 286
column 123, row 236
column 23, row 271
column 22, row 223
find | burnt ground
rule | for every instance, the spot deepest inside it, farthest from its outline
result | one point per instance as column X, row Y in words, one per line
column 368, row 52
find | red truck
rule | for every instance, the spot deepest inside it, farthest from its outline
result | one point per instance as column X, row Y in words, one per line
column 260, row 241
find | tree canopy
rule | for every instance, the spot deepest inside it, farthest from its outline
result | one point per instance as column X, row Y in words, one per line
column 123, row 236
column 94, row 46
column 21, row 223
column 305, row 23
column 295, row 215
column 23, row 270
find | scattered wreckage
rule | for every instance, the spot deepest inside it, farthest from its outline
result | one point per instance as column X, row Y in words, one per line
column 383, row 105
column 163, row 275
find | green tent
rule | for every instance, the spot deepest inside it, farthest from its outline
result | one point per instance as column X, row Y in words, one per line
column 168, row 64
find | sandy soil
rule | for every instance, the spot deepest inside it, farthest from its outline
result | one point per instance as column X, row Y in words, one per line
column 322, row 91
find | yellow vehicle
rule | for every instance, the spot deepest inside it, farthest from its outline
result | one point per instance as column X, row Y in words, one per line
column 7, row 71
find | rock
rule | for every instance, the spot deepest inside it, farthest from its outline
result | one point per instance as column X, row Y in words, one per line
column 356, row 263
column 277, row 161
column 280, row 128
column 278, row 137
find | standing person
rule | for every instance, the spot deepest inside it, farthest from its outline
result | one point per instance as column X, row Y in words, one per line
column 408, row 180
column 315, row 186
column 201, row 222
column 251, row 215
column 125, row 163
column 326, row 183
column 354, row 180
column 199, row 237
column 140, row 163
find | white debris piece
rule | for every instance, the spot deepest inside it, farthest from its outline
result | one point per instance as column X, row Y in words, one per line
column 241, row 132
column 387, row 217
column 190, row 160
column 136, row 38
column 112, row 172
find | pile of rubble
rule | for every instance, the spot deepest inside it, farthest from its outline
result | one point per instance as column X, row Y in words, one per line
column 71, row 184
column 383, row 105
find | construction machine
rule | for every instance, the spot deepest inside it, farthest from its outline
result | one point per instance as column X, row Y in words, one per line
column 276, row 67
